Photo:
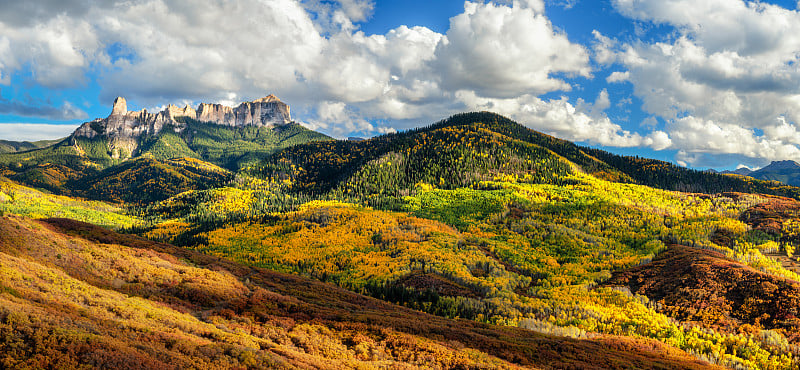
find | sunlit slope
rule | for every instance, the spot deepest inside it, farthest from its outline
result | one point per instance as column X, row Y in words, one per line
column 480, row 218
column 236, row 147
column 510, row 252
column 453, row 153
column 74, row 295
column 145, row 180
column 137, row 181
column 21, row 200
column 87, row 167
column 707, row 289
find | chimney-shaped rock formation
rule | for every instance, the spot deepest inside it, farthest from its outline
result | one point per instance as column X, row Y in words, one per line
column 120, row 106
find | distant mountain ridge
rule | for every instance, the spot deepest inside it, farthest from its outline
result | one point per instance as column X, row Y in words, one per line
column 744, row 171
column 787, row 172
column 9, row 146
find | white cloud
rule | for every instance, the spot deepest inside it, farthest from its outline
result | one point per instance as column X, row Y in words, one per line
column 305, row 52
column 34, row 131
column 566, row 4
column 582, row 122
column 650, row 122
column 357, row 10
column 340, row 121
column 709, row 136
column 57, row 52
column 740, row 166
column 730, row 71
column 501, row 52
column 617, row 76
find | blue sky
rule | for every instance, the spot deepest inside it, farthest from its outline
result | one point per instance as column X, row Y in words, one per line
column 712, row 83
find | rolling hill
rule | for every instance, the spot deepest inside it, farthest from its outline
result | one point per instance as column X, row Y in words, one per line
column 471, row 147
column 76, row 295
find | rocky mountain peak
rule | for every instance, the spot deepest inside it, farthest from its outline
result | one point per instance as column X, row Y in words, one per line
column 267, row 99
column 782, row 165
column 123, row 128
column 120, row 106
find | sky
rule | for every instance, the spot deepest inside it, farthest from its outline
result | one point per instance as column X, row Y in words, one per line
column 700, row 83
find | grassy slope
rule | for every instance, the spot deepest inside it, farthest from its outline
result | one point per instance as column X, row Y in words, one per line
column 532, row 247
column 77, row 295
column 519, row 254
column 523, row 250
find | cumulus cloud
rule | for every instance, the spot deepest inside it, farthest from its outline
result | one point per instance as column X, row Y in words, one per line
column 617, row 76
column 43, row 10
column 57, row 53
column 584, row 121
column 306, row 52
column 501, row 52
column 730, row 71
column 340, row 121
column 707, row 136
column 726, row 83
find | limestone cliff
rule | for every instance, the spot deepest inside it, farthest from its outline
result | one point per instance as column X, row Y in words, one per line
column 123, row 128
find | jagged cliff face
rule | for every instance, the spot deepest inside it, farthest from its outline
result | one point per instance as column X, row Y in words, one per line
column 123, row 128
column 268, row 111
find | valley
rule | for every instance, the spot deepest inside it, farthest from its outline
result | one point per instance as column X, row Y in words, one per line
column 472, row 242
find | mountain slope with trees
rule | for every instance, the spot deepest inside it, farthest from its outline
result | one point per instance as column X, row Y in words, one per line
column 75, row 295
column 483, row 221
column 470, row 147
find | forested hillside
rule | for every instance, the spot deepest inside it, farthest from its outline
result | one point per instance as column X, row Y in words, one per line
column 475, row 146
column 484, row 224
column 7, row 146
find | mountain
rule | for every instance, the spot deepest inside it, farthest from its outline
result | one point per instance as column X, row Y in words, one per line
column 471, row 147
column 226, row 136
column 123, row 129
column 229, row 137
column 74, row 295
column 787, row 172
